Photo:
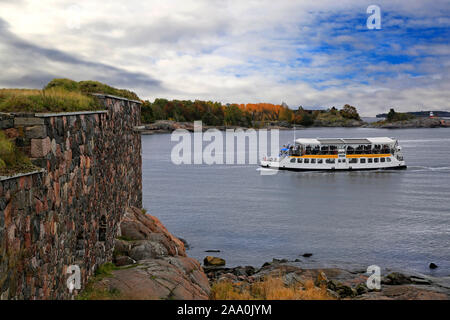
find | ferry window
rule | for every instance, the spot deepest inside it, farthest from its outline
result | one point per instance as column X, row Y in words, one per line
column 313, row 160
column 320, row 161
column 330, row 161
column 306, row 160
column 299, row 160
column 353, row 160
column 370, row 160
column 293, row 160
column 376, row 160
column 383, row 159
column 362, row 161
column 388, row 159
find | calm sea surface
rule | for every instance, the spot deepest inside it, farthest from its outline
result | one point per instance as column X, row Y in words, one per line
column 394, row 219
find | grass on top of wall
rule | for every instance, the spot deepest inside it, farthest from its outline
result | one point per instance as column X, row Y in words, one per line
column 90, row 86
column 11, row 159
column 48, row 100
column 59, row 95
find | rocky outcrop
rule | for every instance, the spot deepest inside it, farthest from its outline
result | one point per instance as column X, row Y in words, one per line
column 153, row 263
column 413, row 123
column 339, row 283
column 347, row 123
column 167, row 126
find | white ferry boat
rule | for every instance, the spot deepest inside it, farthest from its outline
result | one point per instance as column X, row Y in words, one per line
column 338, row 154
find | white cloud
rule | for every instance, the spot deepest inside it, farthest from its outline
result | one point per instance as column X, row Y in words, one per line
column 233, row 51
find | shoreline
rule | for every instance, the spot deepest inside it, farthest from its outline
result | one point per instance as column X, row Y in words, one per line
column 151, row 263
column 168, row 126
column 340, row 282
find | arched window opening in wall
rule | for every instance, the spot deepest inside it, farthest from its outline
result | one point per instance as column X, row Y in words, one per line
column 102, row 229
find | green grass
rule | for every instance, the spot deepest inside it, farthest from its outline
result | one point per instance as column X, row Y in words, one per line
column 94, row 291
column 90, row 87
column 11, row 159
column 105, row 270
column 49, row 100
column 59, row 95
column 124, row 238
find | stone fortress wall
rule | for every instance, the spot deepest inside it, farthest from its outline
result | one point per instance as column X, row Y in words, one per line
column 68, row 212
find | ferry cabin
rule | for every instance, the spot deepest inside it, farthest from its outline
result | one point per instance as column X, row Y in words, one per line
column 339, row 154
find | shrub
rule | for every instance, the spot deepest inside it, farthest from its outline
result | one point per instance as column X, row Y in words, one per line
column 66, row 84
column 90, row 86
column 98, row 87
column 270, row 288
column 11, row 159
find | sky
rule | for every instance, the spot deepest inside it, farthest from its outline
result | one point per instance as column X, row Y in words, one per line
column 316, row 54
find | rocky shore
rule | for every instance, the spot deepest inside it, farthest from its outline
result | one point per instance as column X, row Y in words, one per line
column 168, row 126
column 150, row 263
column 410, row 124
column 339, row 283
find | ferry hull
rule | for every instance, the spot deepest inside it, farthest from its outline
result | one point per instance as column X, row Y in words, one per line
column 403, row 167
column 286, row 165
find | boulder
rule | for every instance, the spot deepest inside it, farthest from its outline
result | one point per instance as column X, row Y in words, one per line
column 123, row 261
column 169, row 278
column 321, row 280
column 186, row 244
column 137, row 226
column 432, row 266
column 148, row 250
column 361, row 289
column 121, row 247
column 396, row 278
column 244, row 271
column 213, row 261
column 341, row 289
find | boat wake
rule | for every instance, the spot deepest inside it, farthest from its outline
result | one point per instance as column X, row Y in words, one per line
column 422, row 168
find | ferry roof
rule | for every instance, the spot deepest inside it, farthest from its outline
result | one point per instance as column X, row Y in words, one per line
column 328, row 141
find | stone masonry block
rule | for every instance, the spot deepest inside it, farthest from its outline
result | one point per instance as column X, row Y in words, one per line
column 23, row 122
column 7, row 123
column 35, row 132
column 40, row 147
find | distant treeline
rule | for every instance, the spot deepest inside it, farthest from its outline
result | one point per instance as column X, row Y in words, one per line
column 420, row 114
column 247, row 115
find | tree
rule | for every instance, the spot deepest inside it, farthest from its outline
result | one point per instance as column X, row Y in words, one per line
column 286, row 114
column 350, row 112
column 391, row 115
